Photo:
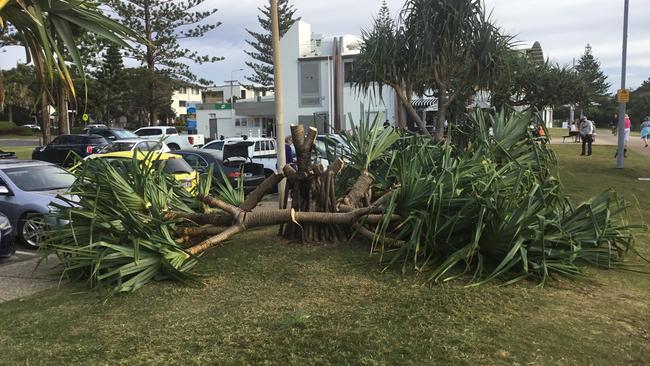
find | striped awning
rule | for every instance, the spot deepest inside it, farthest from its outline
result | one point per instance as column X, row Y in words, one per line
column 426, row 104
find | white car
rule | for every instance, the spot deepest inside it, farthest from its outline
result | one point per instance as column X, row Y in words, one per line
column 262, row 147
column 262, row 150
column 133, row 144
column 33, row 127
column 173, row 139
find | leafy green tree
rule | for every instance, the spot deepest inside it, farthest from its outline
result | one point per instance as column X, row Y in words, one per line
column 262, row 54
column 21, row 89
column 449, row 47
column 595, row 88
column 111, row 83
column 526, row 82
column 139, row 100
column 163, row 24
column 639, row 105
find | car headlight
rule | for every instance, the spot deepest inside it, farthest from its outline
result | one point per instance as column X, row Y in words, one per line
column 4, row 223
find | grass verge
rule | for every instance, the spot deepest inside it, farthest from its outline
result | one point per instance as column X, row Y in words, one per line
column 22, row 152
column 268, row 301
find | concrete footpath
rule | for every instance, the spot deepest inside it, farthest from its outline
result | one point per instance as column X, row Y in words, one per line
column 19, row 276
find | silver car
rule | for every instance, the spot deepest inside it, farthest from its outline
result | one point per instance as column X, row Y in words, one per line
column 27, row 187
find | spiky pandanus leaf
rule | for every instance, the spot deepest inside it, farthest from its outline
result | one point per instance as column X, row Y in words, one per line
column 495, row 210
column 117, row 235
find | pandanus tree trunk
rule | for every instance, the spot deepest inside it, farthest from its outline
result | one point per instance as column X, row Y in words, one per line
column 314, row 211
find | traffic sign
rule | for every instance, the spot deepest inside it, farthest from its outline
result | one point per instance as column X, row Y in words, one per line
column 623, row 95
column 191, row 124
column 85, row 117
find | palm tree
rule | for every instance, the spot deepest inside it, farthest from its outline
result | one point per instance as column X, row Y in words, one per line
column 47, row 28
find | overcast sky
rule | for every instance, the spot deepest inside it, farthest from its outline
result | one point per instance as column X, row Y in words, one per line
column 563, row 27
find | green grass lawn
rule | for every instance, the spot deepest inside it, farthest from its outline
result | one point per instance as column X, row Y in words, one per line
column 22, row 152
column 266, row 301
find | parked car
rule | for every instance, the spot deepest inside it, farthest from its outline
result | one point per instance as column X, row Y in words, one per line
column 171, row 137
column 97, row 125
column 236, row 166
column 27, row 187
column 174, row 164
column 60, row 150
column 133, row 145
column 33, row 127
column 7, row 248
column 261, row 150
column 7, row 155
column 110, row 134
column 262, row 147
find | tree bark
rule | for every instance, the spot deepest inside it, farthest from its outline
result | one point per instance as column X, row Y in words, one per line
column 10, row 113
column 45, row 119
column 441, row 117
column 62, row 109
column 410, row 110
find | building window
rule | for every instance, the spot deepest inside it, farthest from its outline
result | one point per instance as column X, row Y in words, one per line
column 220, row 96
column 238, row 122
column 213, row 115
column 243, row 94
column 195, row 91
column 256, row 123
column 348, row 69
column 182, row 103
column 309, row 73
column 183, row 91
column 244, row 122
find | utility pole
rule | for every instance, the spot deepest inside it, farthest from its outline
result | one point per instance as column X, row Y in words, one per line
column 620, row 155
column 277, row 84
column 232, row 96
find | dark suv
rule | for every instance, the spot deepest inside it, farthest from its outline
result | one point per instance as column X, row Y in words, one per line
column 59, row 151
column 111, row 134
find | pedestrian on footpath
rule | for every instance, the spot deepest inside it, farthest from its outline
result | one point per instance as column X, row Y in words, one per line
column 586, row 135
column 645, row 130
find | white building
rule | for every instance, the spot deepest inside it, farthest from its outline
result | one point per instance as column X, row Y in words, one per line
column 316, row 83
column 316, row 87
column 183, row 98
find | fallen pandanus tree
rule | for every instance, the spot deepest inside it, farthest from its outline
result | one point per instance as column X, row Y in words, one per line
column 492, row 210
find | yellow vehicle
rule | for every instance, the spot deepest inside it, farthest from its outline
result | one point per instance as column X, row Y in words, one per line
column 174, row 164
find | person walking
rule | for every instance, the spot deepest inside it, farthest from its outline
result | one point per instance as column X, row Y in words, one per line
column 288, row 151
column 586, row 135
column 626, row 135
column 645, row 130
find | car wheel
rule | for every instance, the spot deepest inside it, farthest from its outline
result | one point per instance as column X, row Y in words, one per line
column 31, row 230
column 173, row 147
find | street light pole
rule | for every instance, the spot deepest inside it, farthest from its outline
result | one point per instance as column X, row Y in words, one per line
column 232, row 97
column 277, row 84
column 620, row 155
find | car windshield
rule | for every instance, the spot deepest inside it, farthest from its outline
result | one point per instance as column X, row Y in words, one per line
column 118, row 146
column 149, row 132
column 124, row 134
column 40, row 178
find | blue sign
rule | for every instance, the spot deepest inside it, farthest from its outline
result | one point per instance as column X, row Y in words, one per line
column 191, row 124
column 191, row 110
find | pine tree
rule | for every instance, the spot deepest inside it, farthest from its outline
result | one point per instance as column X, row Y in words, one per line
column 261, row 42
column 595, row 86
column 111, row 84
column 163, row 23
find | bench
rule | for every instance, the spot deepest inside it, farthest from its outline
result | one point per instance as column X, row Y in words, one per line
column 575, row 135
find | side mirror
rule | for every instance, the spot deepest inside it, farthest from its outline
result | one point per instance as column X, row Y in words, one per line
column 112, row 138
column 4, row 191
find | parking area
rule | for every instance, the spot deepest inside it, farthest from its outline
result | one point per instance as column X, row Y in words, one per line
column 21, row 275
